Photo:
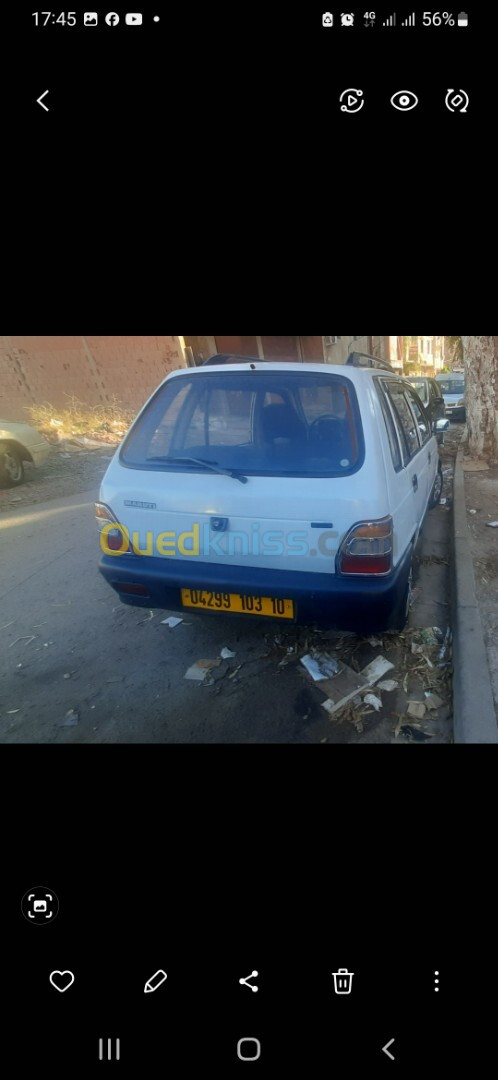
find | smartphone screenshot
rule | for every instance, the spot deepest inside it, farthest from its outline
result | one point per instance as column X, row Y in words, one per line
column 247, row 582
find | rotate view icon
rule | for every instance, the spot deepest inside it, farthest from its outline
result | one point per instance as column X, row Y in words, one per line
column 352, row 100
column 343, row 981
column 457, row 100
column 112, row 18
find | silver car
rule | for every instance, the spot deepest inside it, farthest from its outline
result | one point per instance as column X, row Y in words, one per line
column 19, row 443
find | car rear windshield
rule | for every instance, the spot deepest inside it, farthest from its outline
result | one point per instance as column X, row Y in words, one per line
column 267, row 423
column 452, row 386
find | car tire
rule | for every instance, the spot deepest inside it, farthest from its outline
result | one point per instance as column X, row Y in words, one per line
column 11, row 466
column 437, row 488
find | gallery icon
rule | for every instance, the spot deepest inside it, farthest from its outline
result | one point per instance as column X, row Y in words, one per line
column 347, row 20
column 90, row 18
column 134, row 18
column 112, row 18
column 327, row 19
column 40, row 905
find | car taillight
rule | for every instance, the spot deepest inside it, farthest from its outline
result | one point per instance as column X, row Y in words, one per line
column 104, row 514
column 116, row 539
column 367, row 548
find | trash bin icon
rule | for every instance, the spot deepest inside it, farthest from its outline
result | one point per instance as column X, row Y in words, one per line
column 343, row 981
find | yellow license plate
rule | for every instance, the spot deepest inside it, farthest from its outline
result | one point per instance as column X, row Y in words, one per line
column 247, row 605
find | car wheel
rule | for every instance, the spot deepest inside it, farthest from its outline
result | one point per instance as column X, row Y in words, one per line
column 11, row 466
column 437, row 488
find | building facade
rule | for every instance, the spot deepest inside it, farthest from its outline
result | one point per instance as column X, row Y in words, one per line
column 329, row 350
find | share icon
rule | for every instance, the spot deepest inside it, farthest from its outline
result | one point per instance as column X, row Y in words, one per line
column 245, row 982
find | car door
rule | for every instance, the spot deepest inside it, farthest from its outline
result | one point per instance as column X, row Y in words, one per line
column 428, row 456
column 415, row 453
column 436, row 400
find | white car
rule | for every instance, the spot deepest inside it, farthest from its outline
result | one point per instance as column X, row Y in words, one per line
column 19, row 443
column 290, row 491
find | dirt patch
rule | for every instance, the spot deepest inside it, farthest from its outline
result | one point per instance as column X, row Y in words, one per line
column 66, row 472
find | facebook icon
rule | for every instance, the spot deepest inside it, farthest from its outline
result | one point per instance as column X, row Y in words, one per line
column 112, row 19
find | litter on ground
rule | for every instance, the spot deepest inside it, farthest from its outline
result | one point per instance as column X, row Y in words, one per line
column 171, row 621
column 416, row 709
column 433, row 701
column 376, row 669
column 411, row 731
column 320, row 666
column 492, row 524
column 201, row 669
column 388, row 684
column 371, row 699
column 342, row 689
column 227, row 654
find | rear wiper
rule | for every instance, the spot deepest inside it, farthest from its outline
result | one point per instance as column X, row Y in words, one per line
column 200, row 461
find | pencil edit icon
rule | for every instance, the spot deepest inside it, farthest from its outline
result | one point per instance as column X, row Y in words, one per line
column 155, row 982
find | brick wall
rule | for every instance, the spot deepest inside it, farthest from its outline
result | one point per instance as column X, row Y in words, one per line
column 36, row 370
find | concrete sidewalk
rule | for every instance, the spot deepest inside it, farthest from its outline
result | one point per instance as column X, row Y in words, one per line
column 475, row 718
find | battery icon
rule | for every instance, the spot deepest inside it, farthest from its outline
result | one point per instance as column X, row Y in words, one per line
column 463, row 18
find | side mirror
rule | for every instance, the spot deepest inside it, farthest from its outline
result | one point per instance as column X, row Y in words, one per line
column 439, row 401
column 441, row 425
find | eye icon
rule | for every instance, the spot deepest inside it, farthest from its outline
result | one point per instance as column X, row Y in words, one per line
column 404, row 100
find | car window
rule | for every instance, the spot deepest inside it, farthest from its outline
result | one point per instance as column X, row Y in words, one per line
column 290, row 423
column 405, row 417
column 392, row 435
column 423, row 424
column 222, row 417
column 420, row 385
column 452, row 386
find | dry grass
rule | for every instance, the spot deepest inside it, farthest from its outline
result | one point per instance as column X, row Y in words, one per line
column 77, row 418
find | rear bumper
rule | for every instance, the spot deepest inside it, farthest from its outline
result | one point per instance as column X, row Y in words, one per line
column 455, row 412
column 354, row 603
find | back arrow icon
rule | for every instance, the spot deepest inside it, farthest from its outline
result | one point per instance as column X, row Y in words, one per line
column 385, row 1049
column 40, row 102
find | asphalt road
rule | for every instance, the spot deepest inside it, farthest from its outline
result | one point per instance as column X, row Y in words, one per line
column 77, row 666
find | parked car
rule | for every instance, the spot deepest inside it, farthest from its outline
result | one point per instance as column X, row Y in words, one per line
column 19, row 443
column 433, row 401
column 452, row 387
column 290, row 491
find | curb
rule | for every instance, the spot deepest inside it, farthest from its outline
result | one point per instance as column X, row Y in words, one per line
column 474, row 715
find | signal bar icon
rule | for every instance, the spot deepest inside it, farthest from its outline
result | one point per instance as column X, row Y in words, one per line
column 391, row 21
column 410, row 21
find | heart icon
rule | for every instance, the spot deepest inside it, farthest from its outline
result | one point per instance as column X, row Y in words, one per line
column 62, row 980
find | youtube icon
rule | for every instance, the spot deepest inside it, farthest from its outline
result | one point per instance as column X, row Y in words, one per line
column 134, row 18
